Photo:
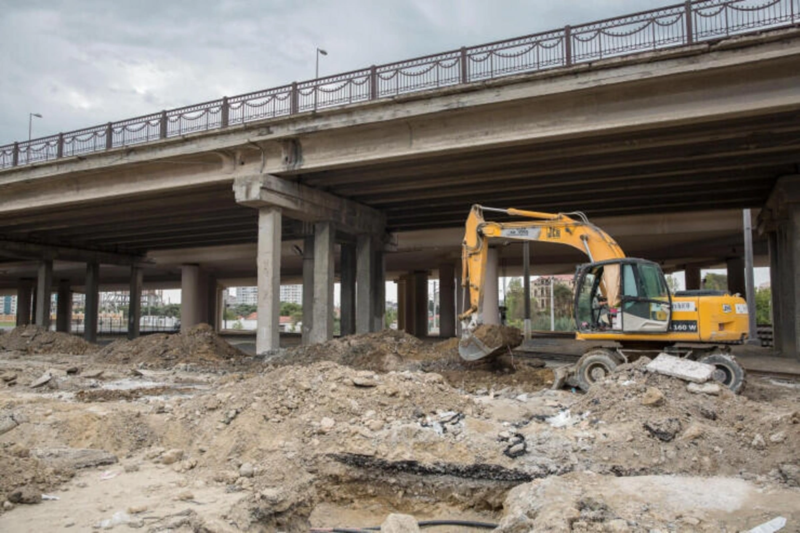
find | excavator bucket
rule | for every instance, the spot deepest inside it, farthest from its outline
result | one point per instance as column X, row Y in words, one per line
column 471, row 348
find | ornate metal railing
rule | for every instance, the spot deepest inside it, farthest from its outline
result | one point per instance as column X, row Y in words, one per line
column 677, row 25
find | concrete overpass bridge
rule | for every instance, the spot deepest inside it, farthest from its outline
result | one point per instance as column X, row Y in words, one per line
column 661, row 126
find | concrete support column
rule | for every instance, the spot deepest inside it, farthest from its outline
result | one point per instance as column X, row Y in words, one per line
column 24, row 297
column 135, row 302
column 408, row 309
column 44, row 283
column 378, row 290
column 212, row 294
column 420, row 310
column 192, row 300
column 268, row 263
column 447, row 300
column 347, row 264
column 322, row 327
column 365, row 283
column 491, row 295
column 460, row 295
column 736, row 282
column 693, row 277
column 90, row 312
column 401, row 304
column 64, row 307
column 774, row 281
column 308, row 288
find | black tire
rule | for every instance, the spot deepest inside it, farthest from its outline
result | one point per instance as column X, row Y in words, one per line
column 594, row 366
column 728, row 372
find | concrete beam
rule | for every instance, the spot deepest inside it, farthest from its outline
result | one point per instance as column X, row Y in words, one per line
column 30, row 250
column 92, row 306
column 322, row 327
column 307, row 204
column 135, row 302
column 44, row 284
column 268, row 263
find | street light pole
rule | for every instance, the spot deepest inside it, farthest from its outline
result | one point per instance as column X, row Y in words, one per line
column 30, row 134
column 323, row 52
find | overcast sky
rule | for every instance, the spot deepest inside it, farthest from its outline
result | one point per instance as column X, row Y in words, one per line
column 85, row 62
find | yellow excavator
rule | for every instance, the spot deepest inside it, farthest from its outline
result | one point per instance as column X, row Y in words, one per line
column 617, row 298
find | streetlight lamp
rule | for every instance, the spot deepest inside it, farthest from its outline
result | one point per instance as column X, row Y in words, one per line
column 30, row 123
column 30, row 132
column 323, row 52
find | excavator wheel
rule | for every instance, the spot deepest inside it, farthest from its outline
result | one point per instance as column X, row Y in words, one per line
column 728, row 371
column 594, row 366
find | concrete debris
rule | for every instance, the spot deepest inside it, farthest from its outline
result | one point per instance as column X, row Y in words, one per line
column 664, row 429
column 400, row 523
column 711, row 388
column 653, row 397
column 247, row 470
column 74, row 458
column 44, row 379
column 7, row 423
column 776, row 524
column 684, row 369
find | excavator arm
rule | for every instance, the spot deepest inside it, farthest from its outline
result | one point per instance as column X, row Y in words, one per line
column 558, row 228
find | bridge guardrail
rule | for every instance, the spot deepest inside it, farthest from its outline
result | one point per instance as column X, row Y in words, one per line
column 676, row 25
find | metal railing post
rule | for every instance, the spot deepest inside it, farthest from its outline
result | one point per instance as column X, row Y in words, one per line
column 60, row 146
column 568, row 46
column 294, row 99
column 15, row 155
column 689, row 22
column 464, row 66
column 162, row 134
column 223, row 112
column 373, row 82
column 109, row 136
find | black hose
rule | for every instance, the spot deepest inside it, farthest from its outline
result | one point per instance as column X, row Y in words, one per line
column 463, row 523
column 424, row 523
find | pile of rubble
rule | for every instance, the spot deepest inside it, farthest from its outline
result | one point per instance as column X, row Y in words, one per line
column 37, row 340
column 199, row 345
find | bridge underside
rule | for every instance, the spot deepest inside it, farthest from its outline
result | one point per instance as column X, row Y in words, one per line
column 663, row 156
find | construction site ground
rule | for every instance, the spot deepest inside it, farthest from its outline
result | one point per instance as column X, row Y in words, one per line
column 187, row 433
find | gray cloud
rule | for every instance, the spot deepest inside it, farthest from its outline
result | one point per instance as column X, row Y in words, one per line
column 87, row 62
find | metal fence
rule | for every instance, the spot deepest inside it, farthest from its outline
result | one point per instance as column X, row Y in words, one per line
column 677, row 25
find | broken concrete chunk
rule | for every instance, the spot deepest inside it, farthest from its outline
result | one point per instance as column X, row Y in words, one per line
column 7, row 423
column 9, row 376
column 400, row 523
column 712, row 389
column 247, row 470
column 684, row 369
column 664, row 429
column 92, row 374
column 75, row 458
column 364, row 382
column 26, row 495
column 172, row 456
column 43, row 380
column 653, row 397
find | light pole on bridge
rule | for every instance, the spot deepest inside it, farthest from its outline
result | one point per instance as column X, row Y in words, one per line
column 30, row 134
column 320, row 51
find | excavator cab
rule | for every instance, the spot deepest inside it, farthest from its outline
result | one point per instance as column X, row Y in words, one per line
column 622, row 296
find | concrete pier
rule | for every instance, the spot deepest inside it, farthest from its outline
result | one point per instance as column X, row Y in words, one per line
column 322, row 327
column 269, row 279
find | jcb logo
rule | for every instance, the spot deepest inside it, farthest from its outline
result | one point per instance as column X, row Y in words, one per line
column 553, row 233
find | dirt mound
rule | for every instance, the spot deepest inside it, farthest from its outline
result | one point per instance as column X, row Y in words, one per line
column 37, row 340
column 495, row 336
column 656, row 424
column 23, row 478
column 382, row 351
column 200, row 345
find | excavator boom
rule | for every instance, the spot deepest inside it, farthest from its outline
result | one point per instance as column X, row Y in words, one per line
column 559, row 228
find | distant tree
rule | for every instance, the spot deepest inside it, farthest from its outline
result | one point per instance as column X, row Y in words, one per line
column 716, row 282
column 244, row 309
column 763, row 306
column 672, row 283
column 229, row 314
column 289, row 308
column 390, row 317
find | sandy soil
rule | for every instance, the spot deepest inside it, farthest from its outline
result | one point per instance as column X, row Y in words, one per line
column 345, row 433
